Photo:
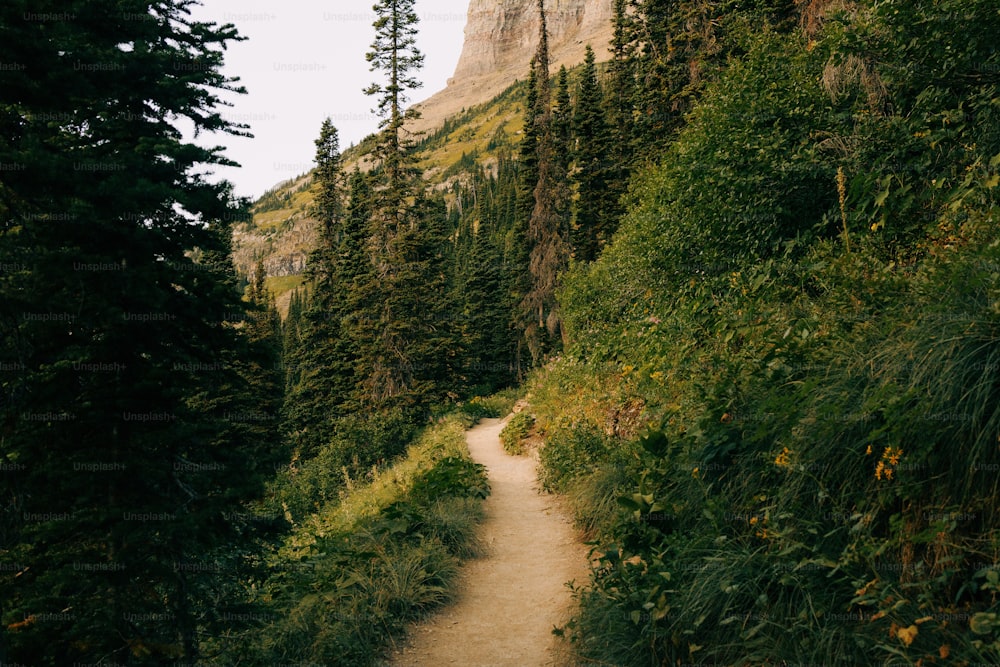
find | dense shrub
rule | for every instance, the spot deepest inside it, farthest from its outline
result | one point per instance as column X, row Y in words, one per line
column 517, row 429
column 803, row 297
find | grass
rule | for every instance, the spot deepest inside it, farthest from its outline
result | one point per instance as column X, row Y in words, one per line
column 281, row 285
column 348, row 578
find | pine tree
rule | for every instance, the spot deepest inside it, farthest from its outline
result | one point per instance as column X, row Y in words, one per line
column 325, row 356
column 549, row 220
column 596, row 207
column 562, row 121
column 125, row 323
column 405, row 349
column 622, row 83
column 394, row 52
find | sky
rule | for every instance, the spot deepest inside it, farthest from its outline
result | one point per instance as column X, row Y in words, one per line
column 303, row 61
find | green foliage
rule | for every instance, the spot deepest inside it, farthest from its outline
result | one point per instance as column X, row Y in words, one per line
column 488, row 407
column 132, row 427
column 451, row 476
column 353, row 573
column 802, row 298
column 514, row 433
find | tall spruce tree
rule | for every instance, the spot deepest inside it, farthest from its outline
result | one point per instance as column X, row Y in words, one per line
column 325, row 356
column 123, row 437
column 596, row 210
column 404, row 351
column 549, row 222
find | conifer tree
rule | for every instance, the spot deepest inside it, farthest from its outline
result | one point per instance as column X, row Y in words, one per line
column 596, row 206
column 622, row 82
column 325, row 357
column 124, row 321
column 548, row 224
column 404, row 350
column 562, row 121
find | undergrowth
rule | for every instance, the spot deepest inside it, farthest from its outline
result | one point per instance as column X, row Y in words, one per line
column 352, row 574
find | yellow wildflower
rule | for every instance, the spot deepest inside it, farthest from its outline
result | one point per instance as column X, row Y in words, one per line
column 868, row 451
column 907, row 635
column 782, row 459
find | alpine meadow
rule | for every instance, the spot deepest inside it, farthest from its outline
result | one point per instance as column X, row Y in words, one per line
column 731, row 268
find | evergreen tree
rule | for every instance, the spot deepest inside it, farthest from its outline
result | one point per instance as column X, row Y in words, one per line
column 325, row 356
column 596, row 208
column 549, row 220
column 394, row 52
column 562, row 121
column 123, row 321
column 622, row 82
column 405, row 349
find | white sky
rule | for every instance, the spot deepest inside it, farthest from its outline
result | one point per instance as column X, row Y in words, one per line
column 304, row 60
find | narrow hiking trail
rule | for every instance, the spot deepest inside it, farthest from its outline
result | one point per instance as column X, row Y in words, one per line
column 509, row 599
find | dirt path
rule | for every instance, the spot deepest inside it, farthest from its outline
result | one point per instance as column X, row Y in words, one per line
column 509, row 600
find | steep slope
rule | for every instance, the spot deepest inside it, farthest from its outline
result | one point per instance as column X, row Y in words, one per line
column 479, row 109
column 500, row 39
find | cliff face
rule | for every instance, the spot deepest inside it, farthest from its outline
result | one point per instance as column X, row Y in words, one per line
column 501, row 37
column 503, row 34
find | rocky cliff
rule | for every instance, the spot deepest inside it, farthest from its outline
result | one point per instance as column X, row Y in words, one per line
column 501, row 37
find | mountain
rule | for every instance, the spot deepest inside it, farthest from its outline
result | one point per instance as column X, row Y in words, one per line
column 500, row 39
column 471, row 113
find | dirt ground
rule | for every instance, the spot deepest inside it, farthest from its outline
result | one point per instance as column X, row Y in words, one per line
column 510, row 599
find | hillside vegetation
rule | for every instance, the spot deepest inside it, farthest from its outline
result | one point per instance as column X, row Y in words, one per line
column 746, row 276
column 751, row 270
column 778, row 412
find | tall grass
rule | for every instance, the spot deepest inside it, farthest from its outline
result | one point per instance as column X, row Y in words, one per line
column 833, row 503
column 349, row 576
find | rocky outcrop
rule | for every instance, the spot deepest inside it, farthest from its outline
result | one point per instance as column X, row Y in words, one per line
column 501, row 37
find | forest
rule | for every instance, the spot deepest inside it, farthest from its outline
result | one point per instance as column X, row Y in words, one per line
column 745, row 273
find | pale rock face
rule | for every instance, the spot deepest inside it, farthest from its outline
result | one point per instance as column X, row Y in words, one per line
column 501, row 37
column 503, row 34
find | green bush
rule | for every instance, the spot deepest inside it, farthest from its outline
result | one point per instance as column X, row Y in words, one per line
column 570, row 451
column 489, row 407
column 354, row 572
column 515, row 431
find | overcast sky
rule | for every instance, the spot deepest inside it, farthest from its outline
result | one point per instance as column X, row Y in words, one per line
column 304, row 60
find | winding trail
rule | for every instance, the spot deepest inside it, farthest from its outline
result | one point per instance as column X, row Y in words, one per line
column 510, row 599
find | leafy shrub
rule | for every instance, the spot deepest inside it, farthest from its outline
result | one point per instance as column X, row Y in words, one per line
column 451, row 476
column 514, row 433
column 354, row 572
column 489, row 407
column 570, row 451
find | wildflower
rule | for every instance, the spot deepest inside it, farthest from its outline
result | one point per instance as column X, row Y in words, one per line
column 907, row 635
column 782, row 459
column 694, row 473
column 892, row 455
column 868, row 451
column 864, row 590
column 726, row 418
column 753, row 521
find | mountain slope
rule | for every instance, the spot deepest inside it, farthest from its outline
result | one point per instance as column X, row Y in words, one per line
column 479, row 112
